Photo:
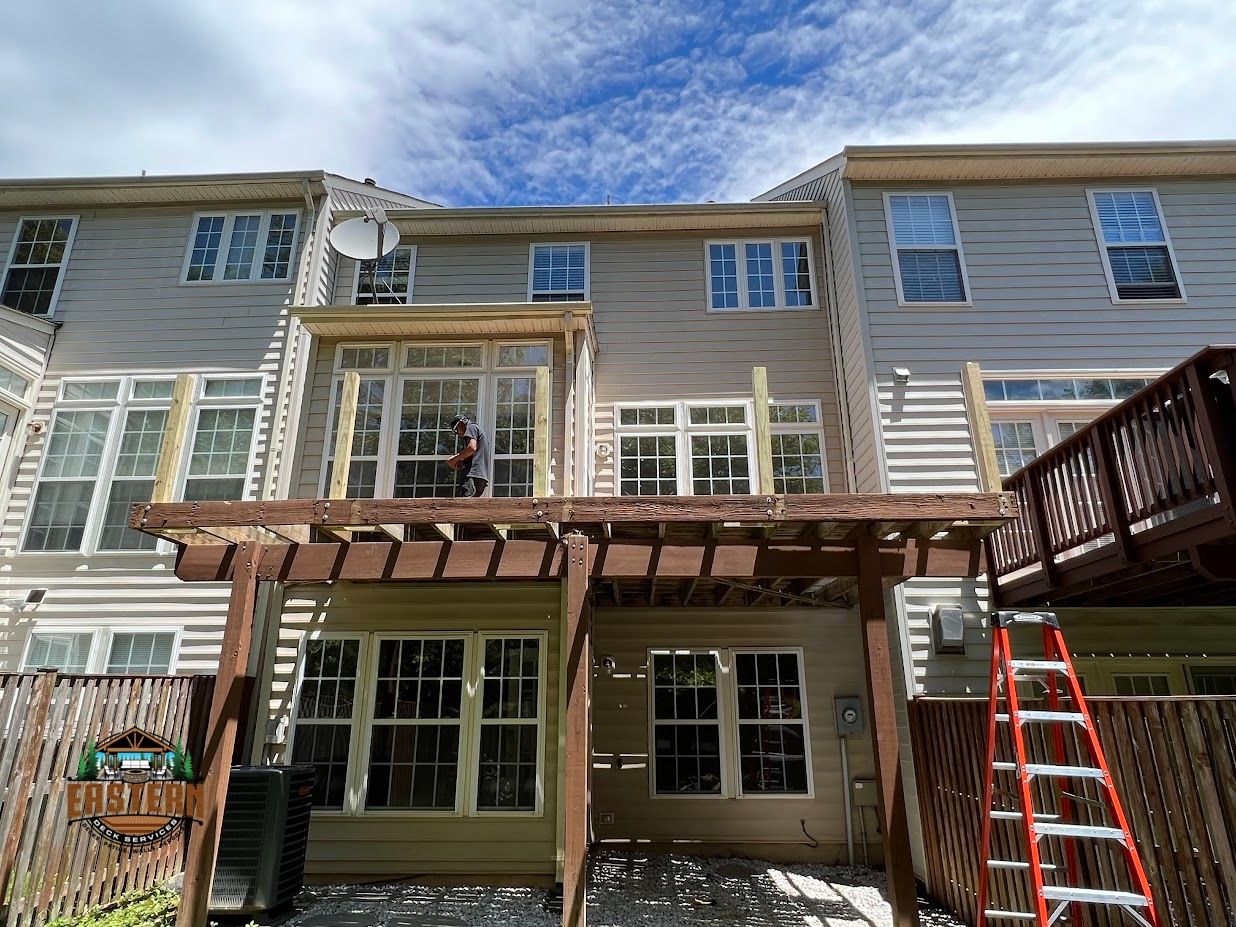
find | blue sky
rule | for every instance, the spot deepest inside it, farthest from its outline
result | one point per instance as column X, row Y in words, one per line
column 499, row 102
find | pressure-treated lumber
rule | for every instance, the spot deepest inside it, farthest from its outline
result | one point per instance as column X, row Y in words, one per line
column 540, row 440
column 175, row 434
column 578, row 643
column 894, row 823
column 345, row 429
column 225, row 708
column 980, row 428
column 763, row 430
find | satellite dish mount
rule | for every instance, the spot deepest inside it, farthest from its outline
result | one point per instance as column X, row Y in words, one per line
column 368, row 238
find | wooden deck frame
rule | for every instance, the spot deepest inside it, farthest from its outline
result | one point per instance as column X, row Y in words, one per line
column 883, row 540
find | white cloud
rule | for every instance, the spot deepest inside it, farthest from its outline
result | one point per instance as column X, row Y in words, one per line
column 562, row 100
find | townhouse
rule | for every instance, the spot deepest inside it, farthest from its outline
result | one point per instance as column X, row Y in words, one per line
column 992, row 302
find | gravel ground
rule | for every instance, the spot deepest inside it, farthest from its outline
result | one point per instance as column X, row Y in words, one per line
column 631, row 889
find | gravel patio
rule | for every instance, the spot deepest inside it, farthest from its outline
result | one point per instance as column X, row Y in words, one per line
column 629, row 889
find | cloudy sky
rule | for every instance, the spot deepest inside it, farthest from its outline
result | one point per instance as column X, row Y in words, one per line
column 560, row 101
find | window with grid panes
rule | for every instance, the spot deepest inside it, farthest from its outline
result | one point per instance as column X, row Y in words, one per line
column 1142, row 684
column 133, row 474
column 36, row 264
column 1015, row 445
column 759, row 274
column 559, row 273
column 796, row 273
column 241, row 246
column 647, row 450
column 925, row 248
column 1135, row 245
column 514, row 435
column 719, row 446
column 366, row 437
column 70, row 470
column 772, row 734
column 67, row 652
column 141, row 652
column 10, row 382
column 686, row 723
column 425, row 441
column 325, row 710
column 415, row 729
column 221, row 450
column 392, row 277
column 509, row 725
column 797, row 447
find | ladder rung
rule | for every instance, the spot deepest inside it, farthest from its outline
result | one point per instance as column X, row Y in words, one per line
column 1035, row 715
column 1080, row 831
column 1011, row 915
column 1054, row 666
column 1017, row 864
column 1016, row 816
column 1094, row 896
column 1068, row 772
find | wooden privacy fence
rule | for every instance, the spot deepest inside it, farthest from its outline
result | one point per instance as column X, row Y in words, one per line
column 1174, row 764
column 49, row 868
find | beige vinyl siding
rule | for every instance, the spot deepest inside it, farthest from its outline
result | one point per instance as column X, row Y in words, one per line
column 370, row 846
column 124, row 311
column 833, row 666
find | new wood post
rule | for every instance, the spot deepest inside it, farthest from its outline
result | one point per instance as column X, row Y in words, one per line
column 341, row 465
column 894, row 825
column 763, row 431
column 175, row 433
column 21, row 783
column 980, row 428
column 220, row 739
column 540, row 441
column 578, row 644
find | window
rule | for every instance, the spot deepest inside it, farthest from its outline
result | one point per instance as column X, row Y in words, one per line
column 759, row 274
column 1063, row 389
column 141, row 652
column 325, row 710
column 14, row 384
column 37, row 258
column 401, row 439
column 558, row 273
column 1213, row 680
column 455, row 723
column 926, row 246
column 68, row 652
column 729, row 723
column 686, row 730
column 1015, row 445
column 102, row 452
column 720, row 447
column 1137, row 253
column 797, row 447
column 1142, row 684
column 393, row 277
column 238, row 247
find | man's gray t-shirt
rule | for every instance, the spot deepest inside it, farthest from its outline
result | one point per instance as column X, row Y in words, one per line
column 479, row 462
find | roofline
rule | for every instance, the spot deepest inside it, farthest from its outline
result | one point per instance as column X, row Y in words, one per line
column 549, row 212
column 157, row 180
column 803, row 177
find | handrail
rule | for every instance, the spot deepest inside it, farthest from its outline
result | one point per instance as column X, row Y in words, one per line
column 1169, row 447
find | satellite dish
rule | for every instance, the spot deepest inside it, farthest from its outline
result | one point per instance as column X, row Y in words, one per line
column 365, row 238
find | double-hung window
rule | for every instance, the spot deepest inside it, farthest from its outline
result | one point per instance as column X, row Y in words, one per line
column 797, row 447
column 102, row 451
column 1137, row 253
column 123, row 651
column 558, row 272
column 392, row 278
column 37, row 258
column 720, row 446
column 929, row 266
column 242, row 246
column 728, row 723
column 775, row 274
column 66, row 651
column 435, row 723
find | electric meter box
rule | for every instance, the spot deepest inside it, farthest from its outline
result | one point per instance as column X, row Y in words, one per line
column 849, row 710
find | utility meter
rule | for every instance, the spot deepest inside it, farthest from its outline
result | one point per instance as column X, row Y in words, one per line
column 849, row 709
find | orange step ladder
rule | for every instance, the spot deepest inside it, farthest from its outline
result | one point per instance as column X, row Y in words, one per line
column 1049, row 897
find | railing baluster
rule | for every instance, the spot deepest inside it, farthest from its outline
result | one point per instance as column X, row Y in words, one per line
column 1117, row 520
column 1220, row 455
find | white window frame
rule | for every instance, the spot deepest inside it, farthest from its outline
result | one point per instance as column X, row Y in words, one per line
column 727, row 719
column 92, row 655
column 587, row 246
column 397, row 372
column 109, row 636
column 798, row 428
column 64, row 263
column 352, row 789
column 202, row 403
column 356, row 276
column 1106, row 258
column 683, row 431
column 255, row 267
column 893, row 248
column 1192, row 666
column 20, row 407
column 744, row 296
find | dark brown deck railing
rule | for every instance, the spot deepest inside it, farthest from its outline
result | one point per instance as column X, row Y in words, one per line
column 1150, row 477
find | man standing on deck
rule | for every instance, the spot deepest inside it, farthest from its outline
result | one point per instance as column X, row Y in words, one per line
column 471, row 463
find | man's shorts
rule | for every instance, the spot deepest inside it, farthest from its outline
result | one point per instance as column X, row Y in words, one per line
column 471, row 488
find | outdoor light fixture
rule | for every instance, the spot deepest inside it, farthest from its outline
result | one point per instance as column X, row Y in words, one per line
column 34, row 598
column 609, row 664
column 901, row 375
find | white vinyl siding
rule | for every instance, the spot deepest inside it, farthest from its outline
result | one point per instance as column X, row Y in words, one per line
column 1137, row 252
column 926, row 244
column 237, row 247
column 758, row 275
column 34, row 272
column 558, row 272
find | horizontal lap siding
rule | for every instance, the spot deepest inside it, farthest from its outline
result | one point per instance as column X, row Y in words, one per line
column 374, row 847
column 124, row 311
column 1041, row 303
column 834, row 666
column 22, row 346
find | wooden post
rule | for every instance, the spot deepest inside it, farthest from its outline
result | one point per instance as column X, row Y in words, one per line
column 578, row 644
column 21, row 782
column 175, row 433
column 894, row 825
column 349, row 397
column 763, row 431
column 540, row 444
column 220, row 739
column 980, row 428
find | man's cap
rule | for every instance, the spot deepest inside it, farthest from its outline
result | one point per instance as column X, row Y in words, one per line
column 456, row 419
